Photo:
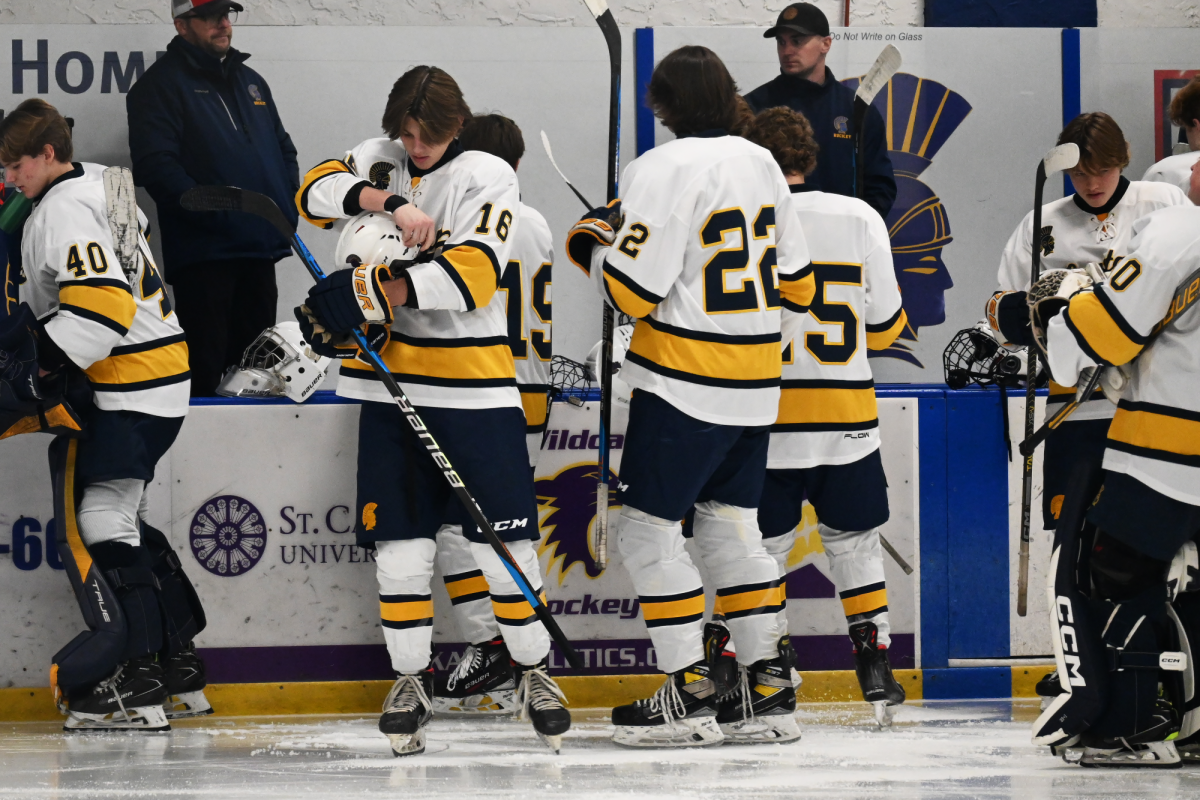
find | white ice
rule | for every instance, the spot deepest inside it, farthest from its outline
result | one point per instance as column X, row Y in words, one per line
column 935, row 750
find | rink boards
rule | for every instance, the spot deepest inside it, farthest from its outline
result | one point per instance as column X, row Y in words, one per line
column 258, row 499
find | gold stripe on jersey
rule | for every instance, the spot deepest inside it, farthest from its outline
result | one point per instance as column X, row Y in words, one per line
column 626, row 295
column 399, row 611
column 826, row 405
column 1100, row 330
column 672, row 609
column 474, row 269
column 107, row 302
column 881, row 336
column 1157, row 432
column 702, row 357
column 733, row 602
column 514, row 609
column 799, row 288
column 533, row 401
column 480, row 362
column 331, row 167
column 136, row 367
column 466, row 586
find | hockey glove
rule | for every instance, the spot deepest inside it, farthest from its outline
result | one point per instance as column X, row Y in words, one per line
column 30, row 402
column 1050, row 295
column 1008, row 317
column 330, row 344
column 19, row 357
column 597, row 228
column 348, row 298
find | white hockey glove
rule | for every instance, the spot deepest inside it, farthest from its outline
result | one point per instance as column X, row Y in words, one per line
column 1050, row 295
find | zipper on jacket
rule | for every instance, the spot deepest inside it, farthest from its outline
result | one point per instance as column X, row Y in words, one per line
column 226, row 107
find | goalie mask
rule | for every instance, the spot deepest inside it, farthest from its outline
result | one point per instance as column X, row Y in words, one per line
column 279, row 363
column 373, row 238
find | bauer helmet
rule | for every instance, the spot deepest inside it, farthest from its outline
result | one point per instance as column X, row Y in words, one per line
column 372, row 238
column 279, row 363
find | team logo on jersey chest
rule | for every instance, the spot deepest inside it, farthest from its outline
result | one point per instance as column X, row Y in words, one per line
column 1047, row 240
column 380, row 175
column 228, row 536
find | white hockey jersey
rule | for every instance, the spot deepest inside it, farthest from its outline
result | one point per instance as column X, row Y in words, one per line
column 827, row 410
column 527, row 284
column 1155, row 435
column 1175, row 170
column 452, row 350
column 122, row 333
column 709, row 252
column 1074, row 234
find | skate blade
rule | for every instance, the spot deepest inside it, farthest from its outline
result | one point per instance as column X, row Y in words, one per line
column 407, row 744
column 796, row 679
column 694, row 732
column 143, row 719
column 554, row 742
column 1154, row 755
column 769, row 729
column 492, row 704
column 885, row 712
column 187, row 704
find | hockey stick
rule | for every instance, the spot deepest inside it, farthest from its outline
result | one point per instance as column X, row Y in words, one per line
column 120, row 205
column 895, row 555
column 561, row 174
column 1060, row 158
column 612, row 37
column 230, row 198
column 887, row 65
column 1031, row 443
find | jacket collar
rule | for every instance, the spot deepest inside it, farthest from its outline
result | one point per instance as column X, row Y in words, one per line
column 803, row 86
column 206, row 62
column 452, row 152
column 1118, row 195
column 77, row 172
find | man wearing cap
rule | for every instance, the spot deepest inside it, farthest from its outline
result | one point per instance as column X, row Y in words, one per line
column 200, row 116
column 805, row 84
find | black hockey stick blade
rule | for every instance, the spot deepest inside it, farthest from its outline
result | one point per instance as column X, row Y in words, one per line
column 231, row 198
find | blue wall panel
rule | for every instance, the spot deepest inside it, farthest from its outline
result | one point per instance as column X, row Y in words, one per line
column 643, row 68
column 1010, row 13
column 935, row 598
column 966, row 683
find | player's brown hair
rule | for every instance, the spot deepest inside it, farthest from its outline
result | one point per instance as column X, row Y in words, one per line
column 431, row 98
column 30, row 127
column 495, row 134
column 1185, row 105
column 1101, row 143
column 789, row 137
column 691, row 91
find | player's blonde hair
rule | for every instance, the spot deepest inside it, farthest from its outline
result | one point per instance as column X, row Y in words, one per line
column 789, row 137
column 1185, row 105
column 1101, row 142
column 30, row 127
column 432, row 99
column 691, row 91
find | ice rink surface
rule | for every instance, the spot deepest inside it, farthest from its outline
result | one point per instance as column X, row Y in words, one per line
column 945, row 749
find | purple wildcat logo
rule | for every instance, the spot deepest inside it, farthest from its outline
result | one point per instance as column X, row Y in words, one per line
column 228, row 536
column 571, row 494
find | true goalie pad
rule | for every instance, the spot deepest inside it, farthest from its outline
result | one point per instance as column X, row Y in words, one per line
column 182, row 612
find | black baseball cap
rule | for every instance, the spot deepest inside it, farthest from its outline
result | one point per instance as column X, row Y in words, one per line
column 802, row 18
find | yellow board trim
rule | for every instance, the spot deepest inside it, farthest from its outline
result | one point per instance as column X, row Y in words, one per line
column 452, row 363
column 534, row 404
column 882, row 340
column 673, row 609
column 406, row 612
column 475, row 585
column 110, row 302
column 1156, row 432
column 864, row 603
column 708, row 359
column 161, row 362
column 800, row 406
column 1101, row 331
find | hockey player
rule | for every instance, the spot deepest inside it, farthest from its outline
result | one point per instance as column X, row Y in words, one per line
column 105, row 313
column 700, row 251
column 449, row 349
column 1115, row 635
column 825, row 443
column 1185, row 112
column 484, row 681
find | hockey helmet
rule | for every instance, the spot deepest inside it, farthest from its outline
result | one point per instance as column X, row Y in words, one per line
column 372, row 238
column 279, row 363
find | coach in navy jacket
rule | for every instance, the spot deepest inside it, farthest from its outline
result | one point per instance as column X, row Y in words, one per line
column 200, row 116
column 806, row 85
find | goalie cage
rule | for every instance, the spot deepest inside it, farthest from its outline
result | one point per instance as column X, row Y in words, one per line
column 973, row 356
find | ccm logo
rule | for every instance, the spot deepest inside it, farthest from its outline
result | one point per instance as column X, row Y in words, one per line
column 1070, row 647
column 510, row 524
column 1173, row 662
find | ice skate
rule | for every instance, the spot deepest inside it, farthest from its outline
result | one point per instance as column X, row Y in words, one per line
column 761, row 707
column 725, row 671
column 128, row 700
column 483, row 683
column 879, row 687
column 186, row 680
column 1151, row 748
column 542, row 703
column 406, row 712
column 1048, row 688
column 683, row 713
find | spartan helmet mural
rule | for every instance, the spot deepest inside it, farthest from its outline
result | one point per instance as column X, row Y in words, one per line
column 920, row 116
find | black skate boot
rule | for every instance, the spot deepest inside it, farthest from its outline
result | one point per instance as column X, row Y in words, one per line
column 1151, row 748
column 683, row 713
column 483, row 683
column 762, row 705
column 874, row 672
column 542, row 703
column 1048, row 688
column 186, row 680
column 407, row 711
column 721, row 660
column 130, row 699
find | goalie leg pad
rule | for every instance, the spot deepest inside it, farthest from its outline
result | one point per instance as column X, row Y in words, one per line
column 182, row 613
column 128, row 571
column 1185, row 613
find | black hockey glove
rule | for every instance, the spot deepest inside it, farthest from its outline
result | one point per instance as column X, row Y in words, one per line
column 348, row 298
column 596, row 228
column 19, row 335
column 29, row 402
column 338, row 345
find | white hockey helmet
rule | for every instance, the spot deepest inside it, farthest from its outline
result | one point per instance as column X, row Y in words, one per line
column 372, row 238
column 279, row 363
